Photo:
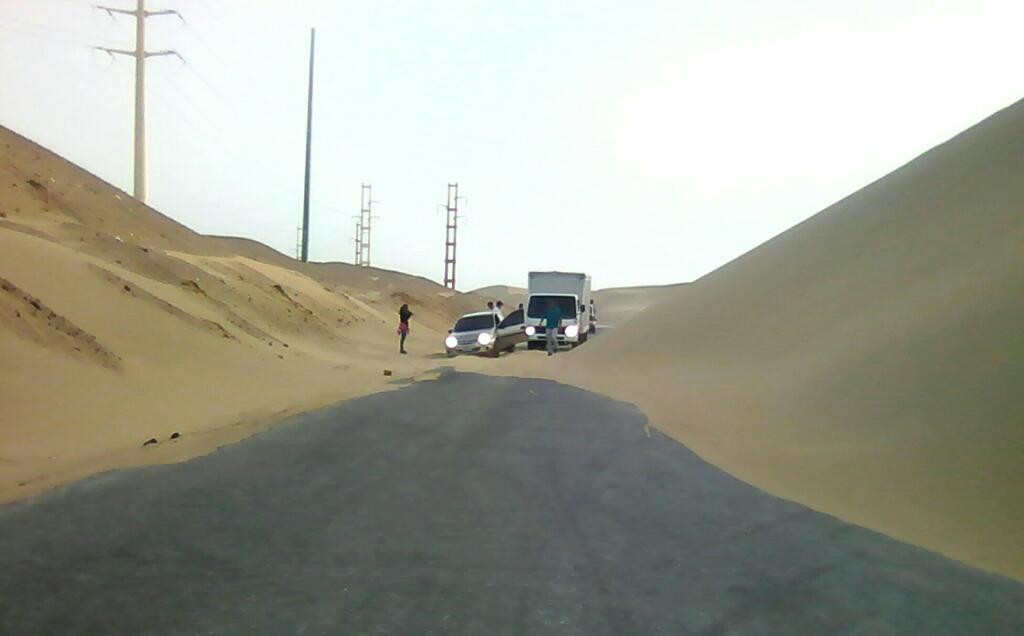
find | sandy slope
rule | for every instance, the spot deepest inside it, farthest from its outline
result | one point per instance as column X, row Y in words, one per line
column 118, row 324
column 618, row 305
column 868, row 362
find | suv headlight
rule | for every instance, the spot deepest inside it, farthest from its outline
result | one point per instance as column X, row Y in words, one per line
column 572, row 331
column 531, row 330
column 484, row 339
column 451, row 342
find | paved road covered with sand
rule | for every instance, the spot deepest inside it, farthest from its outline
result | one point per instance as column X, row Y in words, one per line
column 467, row 505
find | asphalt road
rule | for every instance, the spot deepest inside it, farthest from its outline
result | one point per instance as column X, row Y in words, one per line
column 468, row 505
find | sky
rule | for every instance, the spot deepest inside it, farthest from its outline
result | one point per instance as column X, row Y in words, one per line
column 644, row 142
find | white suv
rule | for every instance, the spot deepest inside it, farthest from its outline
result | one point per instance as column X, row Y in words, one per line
column 482, row 332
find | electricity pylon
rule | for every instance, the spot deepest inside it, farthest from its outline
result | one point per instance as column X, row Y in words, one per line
column 140, row 54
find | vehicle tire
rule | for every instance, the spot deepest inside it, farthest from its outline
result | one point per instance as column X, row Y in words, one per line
column 511, row 349
column 583, row 337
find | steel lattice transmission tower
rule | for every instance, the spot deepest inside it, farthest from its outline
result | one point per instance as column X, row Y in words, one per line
column 364, row 224
column 358, row 259
column 140, row 54
column 451, row 234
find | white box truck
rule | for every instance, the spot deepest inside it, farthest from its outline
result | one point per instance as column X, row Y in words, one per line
column 570, row 291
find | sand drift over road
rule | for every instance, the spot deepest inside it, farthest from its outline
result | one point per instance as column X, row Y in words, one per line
column 868, row 362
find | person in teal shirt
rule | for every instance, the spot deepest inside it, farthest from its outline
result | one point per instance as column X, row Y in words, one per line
column 552, row 321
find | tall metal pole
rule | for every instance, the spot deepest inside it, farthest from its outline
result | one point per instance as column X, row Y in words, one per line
column 309, row 147
column 140, row 54
column 140, row 101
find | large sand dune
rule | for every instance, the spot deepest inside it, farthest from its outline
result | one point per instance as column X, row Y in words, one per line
column 118, row 324
column 868, row 362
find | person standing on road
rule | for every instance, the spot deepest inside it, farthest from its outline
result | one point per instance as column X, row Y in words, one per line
column 552, row 321
column 403, row 326
column 499, row 308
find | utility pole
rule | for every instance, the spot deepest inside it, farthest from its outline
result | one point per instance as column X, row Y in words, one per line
column 140, row 54
column 309, row 147
column 451, row 235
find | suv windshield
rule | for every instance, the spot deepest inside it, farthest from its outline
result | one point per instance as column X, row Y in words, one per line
column 475, row 323
column 539, row 306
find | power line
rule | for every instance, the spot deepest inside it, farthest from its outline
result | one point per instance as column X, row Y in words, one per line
column 199, row 110
column 73, row 3
column 230, row 104
column 44, row 36
column 82, row 38
column 213, row 141
column 211, row 136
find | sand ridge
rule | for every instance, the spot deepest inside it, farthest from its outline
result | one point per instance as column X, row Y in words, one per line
column 30, row 319
column 118, row 325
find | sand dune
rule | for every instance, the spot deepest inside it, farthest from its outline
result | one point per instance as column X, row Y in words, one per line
column 618, row 305
column 868, row 362
column 118, row 325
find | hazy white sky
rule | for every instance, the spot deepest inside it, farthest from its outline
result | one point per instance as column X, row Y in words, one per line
column 644, row 142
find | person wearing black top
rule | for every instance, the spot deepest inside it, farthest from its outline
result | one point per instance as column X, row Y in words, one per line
column 403, row 326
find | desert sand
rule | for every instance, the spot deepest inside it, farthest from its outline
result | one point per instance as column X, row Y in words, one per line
column 118, row 325
column 868, row 362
